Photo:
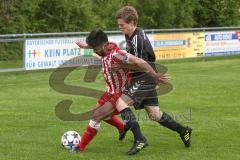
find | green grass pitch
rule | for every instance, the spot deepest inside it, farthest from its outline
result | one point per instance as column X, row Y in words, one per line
column 206, row 96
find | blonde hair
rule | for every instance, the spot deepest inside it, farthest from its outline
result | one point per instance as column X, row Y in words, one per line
column 128, row 14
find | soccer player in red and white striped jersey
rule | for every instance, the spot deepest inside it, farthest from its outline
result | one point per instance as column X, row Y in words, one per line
column 116, row 81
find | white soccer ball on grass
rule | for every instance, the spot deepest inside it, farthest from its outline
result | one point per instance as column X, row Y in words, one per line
column 70, row 139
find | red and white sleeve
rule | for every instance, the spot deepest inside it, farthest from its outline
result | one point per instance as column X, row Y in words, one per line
column 121, row 56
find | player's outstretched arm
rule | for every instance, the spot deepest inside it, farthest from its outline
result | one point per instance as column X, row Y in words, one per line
column 82, row 44
column 148, row 69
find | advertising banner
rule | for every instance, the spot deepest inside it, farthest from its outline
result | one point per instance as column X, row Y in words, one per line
column 178, row 45
column 54, row 52
column 222, row 43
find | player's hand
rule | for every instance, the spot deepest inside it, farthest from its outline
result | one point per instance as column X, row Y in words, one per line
column 81, row 44
column 162, row 78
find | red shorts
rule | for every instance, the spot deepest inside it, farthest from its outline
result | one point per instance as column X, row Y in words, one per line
column 112, row 98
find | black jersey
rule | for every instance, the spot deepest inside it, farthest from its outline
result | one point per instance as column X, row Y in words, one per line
column 139, row 45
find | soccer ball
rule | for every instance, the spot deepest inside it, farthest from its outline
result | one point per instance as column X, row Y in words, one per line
column 70, row 139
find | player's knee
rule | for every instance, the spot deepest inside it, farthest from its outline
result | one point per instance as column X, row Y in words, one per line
column 121, row 105
column 94, row 124
column 154, row 117
column 154, row 113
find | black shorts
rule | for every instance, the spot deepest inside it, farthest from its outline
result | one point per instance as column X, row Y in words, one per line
column 143, row 92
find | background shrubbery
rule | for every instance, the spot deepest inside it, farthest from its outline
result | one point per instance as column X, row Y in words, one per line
column 42, row 16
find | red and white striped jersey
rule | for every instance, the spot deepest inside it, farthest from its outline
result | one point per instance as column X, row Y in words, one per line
column 116, row 80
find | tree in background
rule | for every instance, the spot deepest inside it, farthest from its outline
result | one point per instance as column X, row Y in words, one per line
column 9, row 51
column 65, row 16
column 184, row 14
column 161, row 13
column 217, row 13
column 28, row 16
column 39, row 16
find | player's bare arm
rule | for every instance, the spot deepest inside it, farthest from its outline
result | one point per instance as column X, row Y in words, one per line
column 164, row 78
column 82, row 44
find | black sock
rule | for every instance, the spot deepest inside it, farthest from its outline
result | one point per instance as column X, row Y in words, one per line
column 170, row 123
column 131, row 123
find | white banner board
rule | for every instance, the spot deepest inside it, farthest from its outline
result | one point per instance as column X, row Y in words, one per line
column 54, row 52
column 222, row 43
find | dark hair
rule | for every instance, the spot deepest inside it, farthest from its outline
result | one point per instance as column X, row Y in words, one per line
column 96, row 38
column 128, row 13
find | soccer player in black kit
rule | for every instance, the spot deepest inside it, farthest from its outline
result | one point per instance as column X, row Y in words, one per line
column 138, row 44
